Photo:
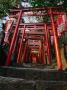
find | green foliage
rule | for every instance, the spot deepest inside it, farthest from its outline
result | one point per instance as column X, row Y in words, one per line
column 39, row 3
column 45, row 2
column 5, row 5
column 65, row 3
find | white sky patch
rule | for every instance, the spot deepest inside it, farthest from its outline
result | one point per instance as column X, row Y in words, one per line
column 60, row 3
column 29, row 19
column 26, row 4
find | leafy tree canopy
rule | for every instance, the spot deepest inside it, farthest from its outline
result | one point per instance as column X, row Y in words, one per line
column 5, row 5
column 47, row 2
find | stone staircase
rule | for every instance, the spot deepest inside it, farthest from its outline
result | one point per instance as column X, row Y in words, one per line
column 32, row 77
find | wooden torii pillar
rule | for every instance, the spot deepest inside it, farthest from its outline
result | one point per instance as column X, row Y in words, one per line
column 57, row 49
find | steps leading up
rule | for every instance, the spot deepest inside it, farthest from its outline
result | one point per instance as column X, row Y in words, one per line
column 8, row 83
column 27, row 77
column 33, row 73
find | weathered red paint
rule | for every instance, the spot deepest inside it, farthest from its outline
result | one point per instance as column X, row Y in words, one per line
column 13, row 40
column 34, row 26
column 20, row 47
column 58, row 55
column 47, row 42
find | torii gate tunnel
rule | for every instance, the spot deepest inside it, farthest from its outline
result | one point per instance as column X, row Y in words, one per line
column 31, row 42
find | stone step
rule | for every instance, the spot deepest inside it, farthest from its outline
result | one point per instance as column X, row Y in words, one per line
column 31, row 65
column 33, row 73
column 51, row 85
column 8, row 83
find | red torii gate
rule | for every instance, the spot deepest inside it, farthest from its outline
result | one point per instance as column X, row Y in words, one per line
column 19, row 13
